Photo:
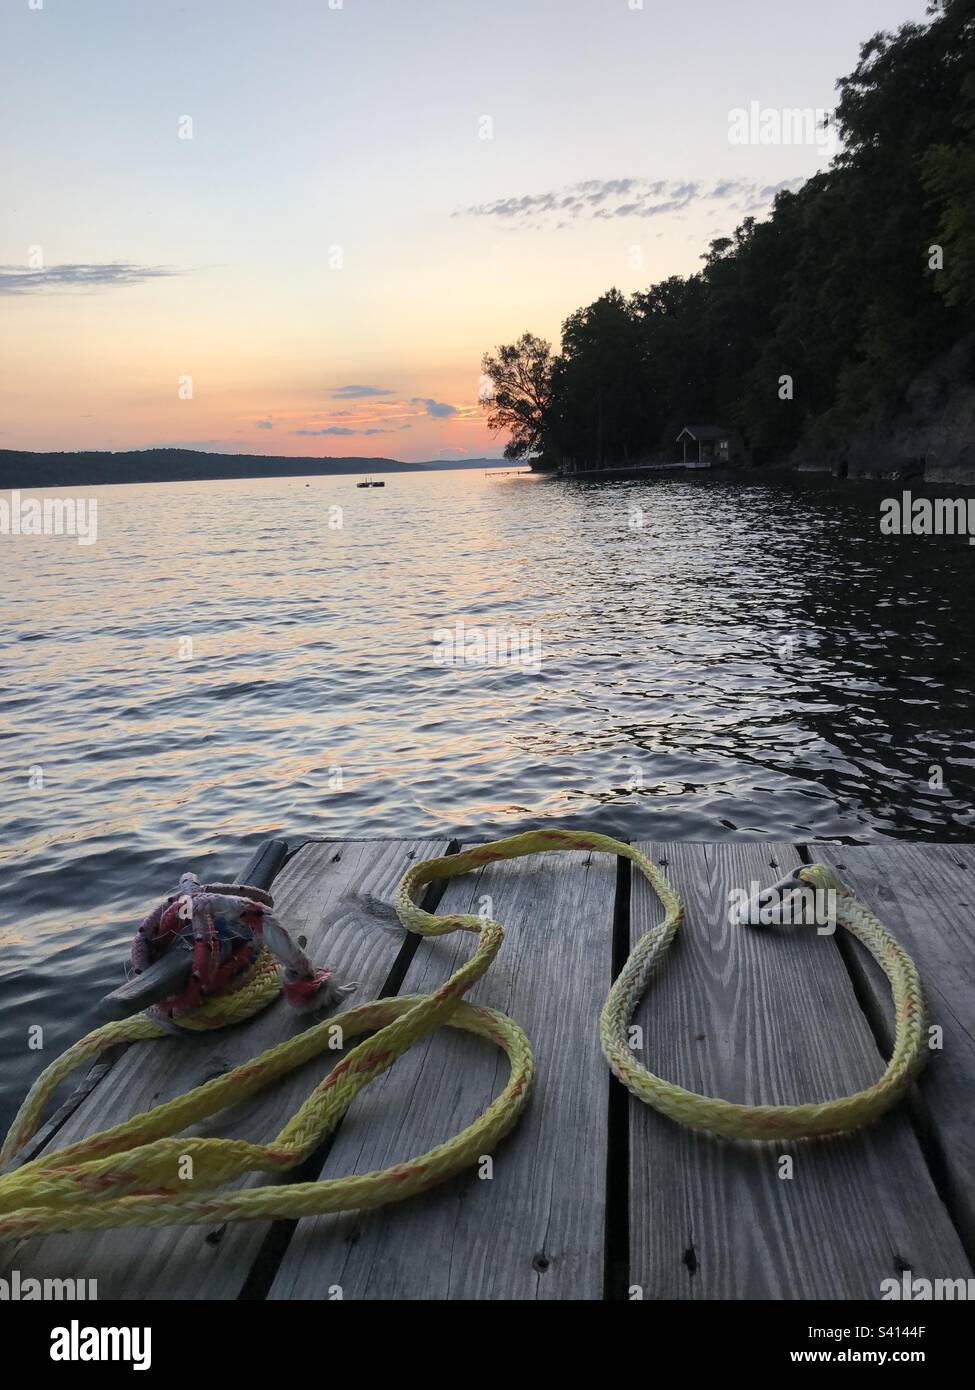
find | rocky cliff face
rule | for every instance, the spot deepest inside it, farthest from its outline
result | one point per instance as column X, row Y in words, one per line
column 932, row 435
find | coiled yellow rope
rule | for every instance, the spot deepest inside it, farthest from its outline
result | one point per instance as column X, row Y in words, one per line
column 134, row 1173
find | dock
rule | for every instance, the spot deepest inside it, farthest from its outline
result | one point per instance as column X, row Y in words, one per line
column 593, row 1196
column 623, row 472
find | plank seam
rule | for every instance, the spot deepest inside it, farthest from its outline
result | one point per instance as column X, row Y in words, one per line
column 917, row 1109
column 616, row 1271
column 274, row 1246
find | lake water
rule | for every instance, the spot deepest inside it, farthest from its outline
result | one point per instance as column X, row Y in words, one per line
column 226, row 663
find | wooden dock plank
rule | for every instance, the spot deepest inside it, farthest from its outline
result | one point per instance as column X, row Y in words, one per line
column 767, row 1014
column 925, row 895
column 536, row 1229
column 339, row 895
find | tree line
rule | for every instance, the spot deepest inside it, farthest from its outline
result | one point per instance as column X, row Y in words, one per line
column 797, row 328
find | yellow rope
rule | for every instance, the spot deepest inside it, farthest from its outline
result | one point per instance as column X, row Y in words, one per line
column 136, row 1173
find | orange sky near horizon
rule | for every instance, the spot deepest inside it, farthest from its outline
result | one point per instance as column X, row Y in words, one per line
column 365, row 199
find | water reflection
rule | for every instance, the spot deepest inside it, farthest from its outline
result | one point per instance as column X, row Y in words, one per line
column 717, row 660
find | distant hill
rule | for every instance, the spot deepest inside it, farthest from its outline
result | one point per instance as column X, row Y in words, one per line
column 469, row 463
column 20, row 468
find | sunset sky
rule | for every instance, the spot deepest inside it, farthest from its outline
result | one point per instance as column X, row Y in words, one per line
column 331, row 252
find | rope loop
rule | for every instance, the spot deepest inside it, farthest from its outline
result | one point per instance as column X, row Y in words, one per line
column 130, row 1175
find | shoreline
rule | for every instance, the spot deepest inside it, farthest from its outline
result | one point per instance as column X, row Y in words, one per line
column 22, row 468
column 778, row 472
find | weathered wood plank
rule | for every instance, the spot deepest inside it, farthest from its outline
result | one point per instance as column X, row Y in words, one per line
column 535, row 1230
column 337, row 894
column 767, row 1014
column 925, row 895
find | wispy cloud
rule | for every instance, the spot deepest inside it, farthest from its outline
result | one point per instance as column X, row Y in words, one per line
column 384, row 417
column 604, row 199
column 358, row 393
column 265, row 424
column 345, row 430
column 15, row 279
column 331, row 429
column 771, row 190
column 437, row 409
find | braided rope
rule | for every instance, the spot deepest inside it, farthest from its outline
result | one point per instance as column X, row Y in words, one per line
column 129, row 1175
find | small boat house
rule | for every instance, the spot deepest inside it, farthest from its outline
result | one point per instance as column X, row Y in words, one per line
column 709, row 446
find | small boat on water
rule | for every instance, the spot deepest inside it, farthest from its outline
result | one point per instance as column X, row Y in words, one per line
column 368, row 482
column 377, row 484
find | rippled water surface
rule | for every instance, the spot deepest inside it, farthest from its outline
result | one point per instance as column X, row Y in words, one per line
column 717, row 660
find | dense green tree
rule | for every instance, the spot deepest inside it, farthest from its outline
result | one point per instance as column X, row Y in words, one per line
column 600, row 384
column 517, row 393
column 840, row 289
column 950, row 177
